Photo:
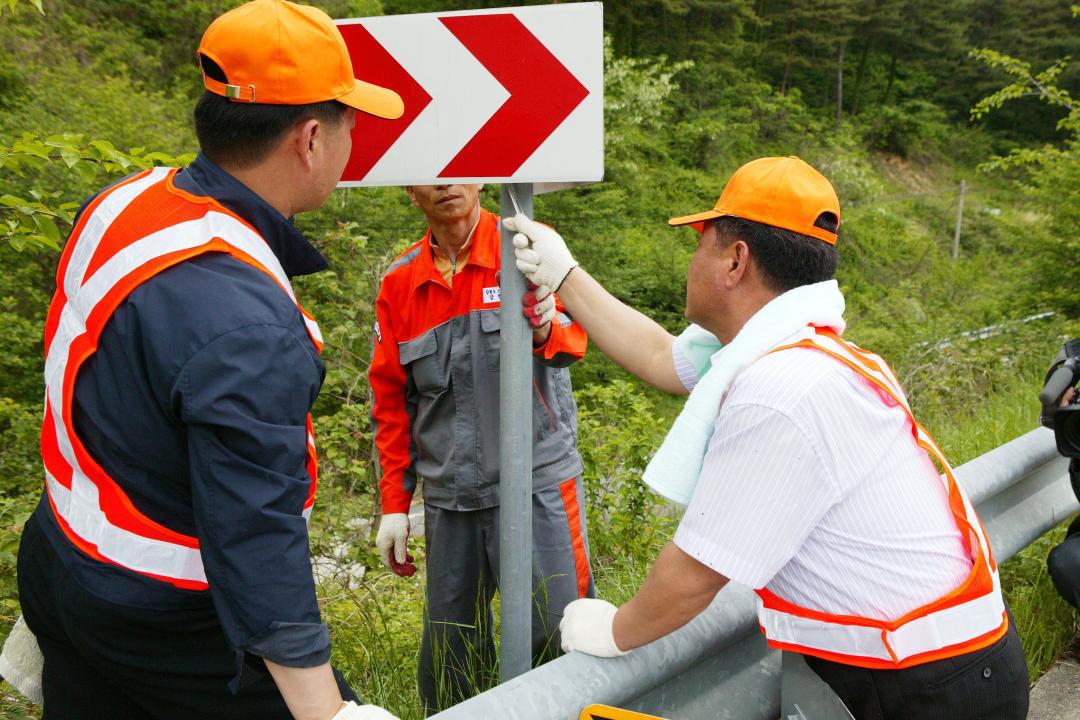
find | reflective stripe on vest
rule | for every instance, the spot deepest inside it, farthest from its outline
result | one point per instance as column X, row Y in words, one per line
column 967, row 619
column 128, row 234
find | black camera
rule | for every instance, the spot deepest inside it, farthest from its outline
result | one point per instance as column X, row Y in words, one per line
column 1063, row 374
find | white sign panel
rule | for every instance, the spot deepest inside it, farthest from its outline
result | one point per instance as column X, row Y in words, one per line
column 505, row 95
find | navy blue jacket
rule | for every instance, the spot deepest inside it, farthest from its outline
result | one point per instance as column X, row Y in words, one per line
column 195, row 403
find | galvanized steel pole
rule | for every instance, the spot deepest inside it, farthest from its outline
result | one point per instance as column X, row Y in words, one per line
column 515, row 455
column 959, row 221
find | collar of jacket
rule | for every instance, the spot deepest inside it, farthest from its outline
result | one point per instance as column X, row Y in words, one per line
column 484, row 251
column 294, row 251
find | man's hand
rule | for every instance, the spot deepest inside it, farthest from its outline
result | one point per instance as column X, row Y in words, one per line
column 393, row 534
column 352, row 711
column 541, row 253
column 538, row 305
column 587, row 626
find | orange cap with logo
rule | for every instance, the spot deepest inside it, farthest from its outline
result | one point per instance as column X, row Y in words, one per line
column 280, row 53
column 784, row 192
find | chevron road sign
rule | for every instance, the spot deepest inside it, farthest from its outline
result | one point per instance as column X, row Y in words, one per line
column 504, row 95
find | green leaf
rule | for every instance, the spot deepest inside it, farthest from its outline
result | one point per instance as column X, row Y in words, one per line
column 35, row 148
column 19, row 204
column 159, row 158
column 110, row 153
column 49, row 232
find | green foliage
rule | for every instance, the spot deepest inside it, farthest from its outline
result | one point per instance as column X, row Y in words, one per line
column 1044, row 86
column 1053, row 171
column 376, row 629
column 33, row 222
column 619, row 431
column 911, row 128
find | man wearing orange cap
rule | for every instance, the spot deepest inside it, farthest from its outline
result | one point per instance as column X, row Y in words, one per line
column 435, row 405
column 166, row 571
column 804, row 474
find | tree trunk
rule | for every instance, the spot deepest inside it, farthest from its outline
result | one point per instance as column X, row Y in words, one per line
column 859, row 75
column 892, row 76
column 787, row 56
column 840, row 83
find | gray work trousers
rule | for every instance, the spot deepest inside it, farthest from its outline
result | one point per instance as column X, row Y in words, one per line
column 457, row 652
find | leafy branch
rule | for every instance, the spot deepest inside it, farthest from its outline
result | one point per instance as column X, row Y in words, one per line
column 1028, row 83
column 36, row 221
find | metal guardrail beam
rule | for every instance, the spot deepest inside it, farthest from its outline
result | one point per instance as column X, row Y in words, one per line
column 718, row 665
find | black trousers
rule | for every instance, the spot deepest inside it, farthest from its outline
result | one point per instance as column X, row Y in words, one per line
column 1063, row 563
column 988, row 684
column 104, row 660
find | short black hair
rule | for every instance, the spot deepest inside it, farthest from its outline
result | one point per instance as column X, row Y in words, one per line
column 787, row 259
column 240, row 134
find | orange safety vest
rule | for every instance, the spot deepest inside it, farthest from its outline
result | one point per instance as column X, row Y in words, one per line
column 969, row 618
column 127, row 235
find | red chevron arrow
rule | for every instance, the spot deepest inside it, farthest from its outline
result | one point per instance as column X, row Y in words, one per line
column 542, row 93
column 373, row 136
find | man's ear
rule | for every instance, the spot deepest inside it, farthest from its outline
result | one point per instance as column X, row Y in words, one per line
column 736, row 262
column 307, row 137
column 412, row 195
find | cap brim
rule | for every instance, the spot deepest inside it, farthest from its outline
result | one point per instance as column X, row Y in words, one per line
column 694, row 220
column 374, row 100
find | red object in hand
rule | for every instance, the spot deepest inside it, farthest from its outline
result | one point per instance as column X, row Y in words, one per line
column 529, row 302
column 405, row 569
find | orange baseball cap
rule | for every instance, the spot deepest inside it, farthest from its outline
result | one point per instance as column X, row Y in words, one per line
column 280, row 53
column 784, row 192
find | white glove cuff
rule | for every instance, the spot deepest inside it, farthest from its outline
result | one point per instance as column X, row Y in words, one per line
column 587, row 625
column 352, row 711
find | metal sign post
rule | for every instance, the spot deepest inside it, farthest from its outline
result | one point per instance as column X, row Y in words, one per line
column 515, row 453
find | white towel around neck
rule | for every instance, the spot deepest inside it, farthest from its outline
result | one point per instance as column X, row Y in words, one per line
column 675, row 468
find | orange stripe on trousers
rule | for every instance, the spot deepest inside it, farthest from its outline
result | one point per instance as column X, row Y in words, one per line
column 573, row 517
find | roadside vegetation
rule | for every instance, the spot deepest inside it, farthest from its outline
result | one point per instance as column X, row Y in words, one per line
column 878, row 96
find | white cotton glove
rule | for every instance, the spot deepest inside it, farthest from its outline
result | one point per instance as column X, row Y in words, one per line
column 538, row 306
column 21, row 662
column 352, row 711
column 541, row 253
column 587, row 626
column 393, row 533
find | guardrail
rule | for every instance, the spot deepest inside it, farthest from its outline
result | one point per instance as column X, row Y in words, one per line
column 718, row 665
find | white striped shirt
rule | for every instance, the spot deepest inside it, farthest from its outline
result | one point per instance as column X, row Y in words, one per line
column 813, row 487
